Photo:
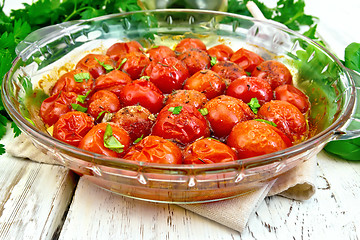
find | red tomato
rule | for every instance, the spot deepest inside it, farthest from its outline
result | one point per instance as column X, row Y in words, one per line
column 157, row 53
column 78, row 81
column 192, row 97
column 113, row 81
column 94, row 142
column 287, row 117
column 58, row 104
column 250, row 87
column 228, row 70
column 182, row 123
column 155, row 149
column 189, row 43
column 133, row 64
column 142, row 92
column 118, row 50
column 274, row 72
column 207, row 82
column 72, row 127
column 294, row 96
column 136, row 120
column 246, row 59
column 224, row 112
column 101, row 102
column 206, row 151
column 167, row 74
column 253, row 138
column 94, row 63
column 195, row 60
column 221, row 52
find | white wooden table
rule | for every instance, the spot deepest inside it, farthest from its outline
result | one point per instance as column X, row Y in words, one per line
column 40, row 201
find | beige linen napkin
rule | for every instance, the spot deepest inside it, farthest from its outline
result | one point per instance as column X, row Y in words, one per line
column 298, row 184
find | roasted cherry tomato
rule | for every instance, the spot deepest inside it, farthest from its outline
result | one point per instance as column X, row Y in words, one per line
column 167, row 74
column 113, row 81
column 228, row 70
column 133, row 64
column 142, row 92
column 95, row 64
column 78, row 81
column 207, row 82
column 111, row 141
column 189, row 43
column 287, row 117
column 253, row 138
column 192, row 97
column 72, row 127
column 182, row 123
column 274, row 72
column 155, row 149
column 224, row 112
column 246, row 59
column 195, row 60
column 221, row 52
column 293, row 95
column 102, row 102
column 118, row 50
column 157, row 53
column 56, row 105
column 136, row 120
column 247, row 88
column 208, row 150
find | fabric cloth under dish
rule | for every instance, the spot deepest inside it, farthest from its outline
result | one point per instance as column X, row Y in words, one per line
column 297, row 184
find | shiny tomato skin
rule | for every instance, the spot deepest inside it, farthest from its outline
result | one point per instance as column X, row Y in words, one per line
column 184, row 127
column 72, row 127
column 56, row 105
column 274, row 72
column 189, row 43
column 287, row 117
column 134, row 65
column 228, row 70
column 207, row 82
column 224, row 112
column 136, row 120
column 155, row 149
column 221, row 52
column 246, row 59
column 195, row 60
column 102, row 101
column 93, row 141
column 158, row 53
column 91, row 63
column 142, row 92
column 253, row 138
column 167, row 74
column 67, row 83
column 192, row 97
column 206, row 150
column 113, row 81
column 118, row 50
column 250, row 87
column 293, row 95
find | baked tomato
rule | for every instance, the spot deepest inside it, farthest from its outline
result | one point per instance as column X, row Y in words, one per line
column 180, row 122
column 107, row 139
column 78, row 81
column 195, row 60
column 189, row 43
column 72, row 127
column 221, row 52
column 293, row 95
column 155, row 149
column 101, row 102
column 136, row 120
column 192, row 97
column 142, row 92
column 167, row 74
column 157, row 53
column 253, row 138
column 113, row 81
column 229, row 71
column 224, row 112
column 207, row 82
column 96, row 64
column 274, row 72
column 246, row 59
column 133, row 64
column 208, row 150
column 118, row 50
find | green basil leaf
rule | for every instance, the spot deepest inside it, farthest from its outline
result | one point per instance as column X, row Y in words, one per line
column 111, row 142
column 203, row 111
column 254, row 105
column 80, row 77
column 266, row 121
column 175, row 110
column 78, row 107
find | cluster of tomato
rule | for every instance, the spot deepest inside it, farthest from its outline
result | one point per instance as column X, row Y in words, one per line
column 183, row 106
